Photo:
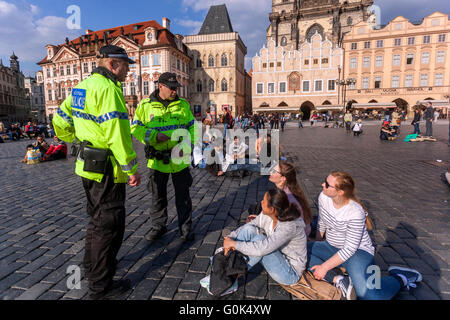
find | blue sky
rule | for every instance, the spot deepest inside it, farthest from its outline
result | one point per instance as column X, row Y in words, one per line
column 26, row 26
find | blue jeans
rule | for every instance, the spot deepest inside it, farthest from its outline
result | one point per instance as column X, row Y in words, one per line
column 275, row 263
column 357, row 268
column 225, row 127
column 416, row 128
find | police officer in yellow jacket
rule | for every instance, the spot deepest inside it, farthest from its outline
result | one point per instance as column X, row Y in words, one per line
column 96, row 118
column 157, row 124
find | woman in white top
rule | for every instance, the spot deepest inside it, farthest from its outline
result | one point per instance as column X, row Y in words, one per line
column 342, row 221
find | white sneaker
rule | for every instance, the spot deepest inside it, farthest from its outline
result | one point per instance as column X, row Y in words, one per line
column 345, row 284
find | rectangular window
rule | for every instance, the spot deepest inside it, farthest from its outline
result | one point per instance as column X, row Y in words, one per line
column 69, row 91
column 318, row 85
column 279, row 64
column 377, row 83
column 75, row 71
column 316, row 61
column 85, row 67
column 271, row 87
column 305, row 86
column 49, row 95
column 409, row 81
column 440, row 57
column 395, row 81
column 366, row 62
column 438, row 79
column 331, row 85
column 426, row 39
column 178, row 64
column 378, row 61
column 124, row 88
column 397, row 42
column 68, row 70
column 424, row 80
column 48, row 74
column 271, row 65
column 61, row 71
column 365, row 83
column 380, row 43
column 145, row 61
column 396, row 60
column 425, row 57
column 410, row 58
column 442, row 38
column 184, row 67
column 306, row 62
column 354, row 46
column 411, row 41
column 324, row 60
column 353, row 63
column 259, row 88
column 264, row 65
column 282, row 88
column 156, row 60
column 367, row 45
column 94, row 65
column 146, row 91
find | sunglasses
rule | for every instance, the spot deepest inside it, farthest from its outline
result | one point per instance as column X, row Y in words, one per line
column 327, row 185
column 275, row 171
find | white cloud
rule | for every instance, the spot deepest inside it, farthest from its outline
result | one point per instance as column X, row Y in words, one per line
column 192, row 25
column 25, row 33
column 249, row 17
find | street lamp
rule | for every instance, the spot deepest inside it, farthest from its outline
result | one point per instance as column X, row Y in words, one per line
column 344, row 83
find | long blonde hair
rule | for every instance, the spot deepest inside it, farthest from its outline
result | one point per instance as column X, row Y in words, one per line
column 345, row 182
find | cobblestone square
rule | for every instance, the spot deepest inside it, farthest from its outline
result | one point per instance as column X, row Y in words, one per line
column 43, row 218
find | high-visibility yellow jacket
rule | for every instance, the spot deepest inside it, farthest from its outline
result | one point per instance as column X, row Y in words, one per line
column 152, row 117
column 96, row 112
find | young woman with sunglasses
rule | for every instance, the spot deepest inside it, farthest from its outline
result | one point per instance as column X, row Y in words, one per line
column 342, row 221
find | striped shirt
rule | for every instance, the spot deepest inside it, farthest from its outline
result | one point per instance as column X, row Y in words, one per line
column 345, row 227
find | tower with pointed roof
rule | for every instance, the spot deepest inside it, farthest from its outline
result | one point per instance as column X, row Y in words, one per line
column 218, row 56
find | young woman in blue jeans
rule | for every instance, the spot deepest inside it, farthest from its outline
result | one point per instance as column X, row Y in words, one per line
column 276, row 238
column 348, row 244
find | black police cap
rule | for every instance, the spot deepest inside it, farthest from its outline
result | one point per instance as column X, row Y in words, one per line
column 169, row 79
column 111, row 51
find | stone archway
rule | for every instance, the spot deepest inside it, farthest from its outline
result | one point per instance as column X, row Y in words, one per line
column 306, row 108
column 402, row 104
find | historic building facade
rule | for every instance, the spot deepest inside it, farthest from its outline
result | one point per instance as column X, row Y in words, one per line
column 289, row 80
column 14, row 106
column 293, row 22
column 36, row 96
column 402, row 62
column 303, row 57
column 218, row 78
column 154, row 48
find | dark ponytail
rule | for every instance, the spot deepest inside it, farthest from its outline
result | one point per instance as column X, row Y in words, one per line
column 279, row 201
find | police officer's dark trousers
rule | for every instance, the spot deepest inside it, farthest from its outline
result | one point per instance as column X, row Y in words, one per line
column 157, row 186
column 104, row 235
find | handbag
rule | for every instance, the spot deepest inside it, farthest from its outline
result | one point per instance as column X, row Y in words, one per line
column 308, row 288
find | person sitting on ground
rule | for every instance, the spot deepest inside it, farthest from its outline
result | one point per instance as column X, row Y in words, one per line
column 357, row 128
column 342, row 224
column 236, row 150
column 387, row 133
column 41, row 144
column 284, row 176
column 58, row 150
column 2, row 132
column 276, row 238
column 33, row 155
column 30, row 129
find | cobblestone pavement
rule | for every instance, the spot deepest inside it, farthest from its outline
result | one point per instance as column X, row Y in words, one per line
column 43, row 219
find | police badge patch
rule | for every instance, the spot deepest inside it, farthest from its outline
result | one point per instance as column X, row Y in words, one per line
column 78, row 99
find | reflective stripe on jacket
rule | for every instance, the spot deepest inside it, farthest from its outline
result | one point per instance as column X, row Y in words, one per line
column 96, row 112
column 152, row 117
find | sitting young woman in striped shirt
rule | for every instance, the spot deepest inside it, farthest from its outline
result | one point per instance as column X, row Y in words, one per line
column 342, row 223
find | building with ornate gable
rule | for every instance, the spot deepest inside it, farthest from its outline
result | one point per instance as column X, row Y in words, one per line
column 154, row 48
column 218, row 78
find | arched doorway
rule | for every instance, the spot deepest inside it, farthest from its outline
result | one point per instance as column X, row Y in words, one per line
column 373, row 101
column 402, row 104
column 306, row 108
column 326, row 103
column 283, row 104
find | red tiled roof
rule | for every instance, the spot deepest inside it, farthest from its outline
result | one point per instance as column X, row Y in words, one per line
column 165, row 37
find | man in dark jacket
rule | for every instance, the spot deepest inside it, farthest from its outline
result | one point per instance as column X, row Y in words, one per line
column 428, row 116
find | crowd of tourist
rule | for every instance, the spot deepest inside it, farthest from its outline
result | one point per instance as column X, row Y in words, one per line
column 30, row 130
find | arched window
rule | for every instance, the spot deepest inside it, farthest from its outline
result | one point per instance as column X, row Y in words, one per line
column 199, row 63
column 283, row 41
column 211, row 85
column 349, row 21
column 224, row 60
column 224, row 85
column 199, row 85
column 210, row 61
